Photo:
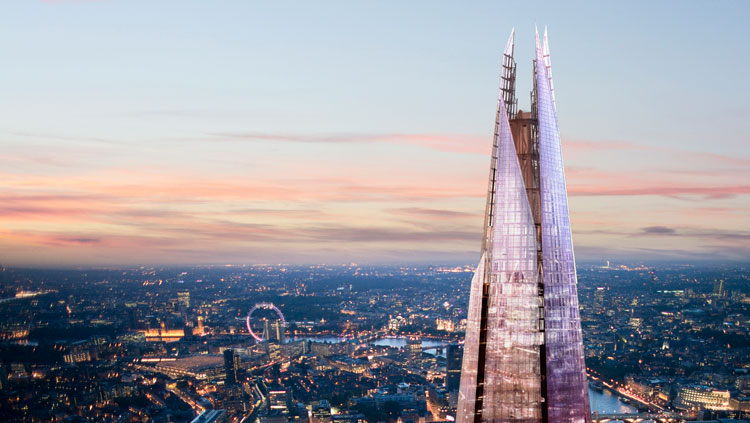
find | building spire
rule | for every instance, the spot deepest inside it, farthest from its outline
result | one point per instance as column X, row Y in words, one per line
column 567, row 394
column 523, row 351
column 506, row 105
column 508, row 77
column 548, row 65
column 509, row 46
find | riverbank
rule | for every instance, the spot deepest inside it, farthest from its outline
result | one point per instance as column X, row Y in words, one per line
column 636, row 404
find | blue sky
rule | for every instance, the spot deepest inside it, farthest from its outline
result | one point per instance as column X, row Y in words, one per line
column 338, row 131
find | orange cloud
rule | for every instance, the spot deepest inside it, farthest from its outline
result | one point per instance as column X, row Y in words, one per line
column 440, row 142
column 309, row 206
column 709, row 192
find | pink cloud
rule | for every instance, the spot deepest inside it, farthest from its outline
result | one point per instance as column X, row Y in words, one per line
column 306, row 205
column 578, row 146
column 440, row 142
column 434, row 214
column 712, row 192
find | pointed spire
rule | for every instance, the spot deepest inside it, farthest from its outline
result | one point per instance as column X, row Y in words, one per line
column 509, row 46
column 505, row 371
column 508, row 77
column 567, row 395
column 548, row 65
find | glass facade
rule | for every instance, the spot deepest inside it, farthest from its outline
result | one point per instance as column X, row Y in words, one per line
column 523, row 354
column 467, row 391
column 567, row 388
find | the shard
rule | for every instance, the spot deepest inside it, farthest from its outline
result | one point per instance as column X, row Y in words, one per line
column 523, row 353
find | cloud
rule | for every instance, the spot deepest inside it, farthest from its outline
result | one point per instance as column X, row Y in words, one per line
column 577, row 146
column 707, row 192
column 386, row 234
column 35, row 160
column 440, row 142
column 40, row 136
column 77, row 240
column 704, row 253
column 438, row 214
column 724, row 236
column 658, row 230
column 209, row 241
column 465, row 143
column 141, row 205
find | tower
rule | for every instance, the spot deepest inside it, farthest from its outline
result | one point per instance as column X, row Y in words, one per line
column 231, row 366
column 183, row 298
column 273, row 331
column 523, row 353
column 414, row 348
column 453, row 367
column 719, row 288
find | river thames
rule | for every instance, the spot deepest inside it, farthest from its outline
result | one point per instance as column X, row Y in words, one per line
column 606, row 402
column 601, row 401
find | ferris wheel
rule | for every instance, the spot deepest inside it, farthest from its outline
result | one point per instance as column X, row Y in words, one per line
column 262, row 306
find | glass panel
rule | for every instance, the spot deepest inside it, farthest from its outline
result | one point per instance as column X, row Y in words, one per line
column 567, row 392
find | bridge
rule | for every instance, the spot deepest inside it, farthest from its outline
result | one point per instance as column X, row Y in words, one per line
column 664, row 417
column 438, row 348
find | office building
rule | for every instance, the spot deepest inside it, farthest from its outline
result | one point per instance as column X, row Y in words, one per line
column 231, row 366
column 453, row 367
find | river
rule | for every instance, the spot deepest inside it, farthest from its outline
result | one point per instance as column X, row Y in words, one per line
column 601, row 401
column 605, row 402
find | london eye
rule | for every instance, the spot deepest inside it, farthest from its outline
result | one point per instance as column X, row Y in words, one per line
column 262, row 306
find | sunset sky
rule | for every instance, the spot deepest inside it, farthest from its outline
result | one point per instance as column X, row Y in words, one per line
column 214, row 132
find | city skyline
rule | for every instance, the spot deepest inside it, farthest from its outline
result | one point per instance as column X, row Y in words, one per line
column 156, row 134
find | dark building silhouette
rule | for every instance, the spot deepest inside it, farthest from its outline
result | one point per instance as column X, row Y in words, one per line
column 231, row 366
column 453, row 355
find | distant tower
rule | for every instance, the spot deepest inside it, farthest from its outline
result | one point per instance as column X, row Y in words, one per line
column 523, row 353
column 599, row 297
column 231, row 366
column 183, row 297
column 273, row 331
column 278, row 331
column 266, row 330
column 414, row 348
column 719, row 288
column 453, row 367
column 199, row 330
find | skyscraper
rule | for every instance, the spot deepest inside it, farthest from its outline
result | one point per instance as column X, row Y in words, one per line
column 414, row 348
column 523, row 353
column 183, row 298
column 453, row 367
column 719, row 288
column 273, row 331
column 231, row 366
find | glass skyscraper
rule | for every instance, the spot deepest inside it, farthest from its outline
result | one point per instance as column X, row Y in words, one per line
column 523, row 353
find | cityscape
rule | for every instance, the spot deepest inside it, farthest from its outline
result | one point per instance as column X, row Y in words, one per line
column 282, row 212
column 360, row 343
